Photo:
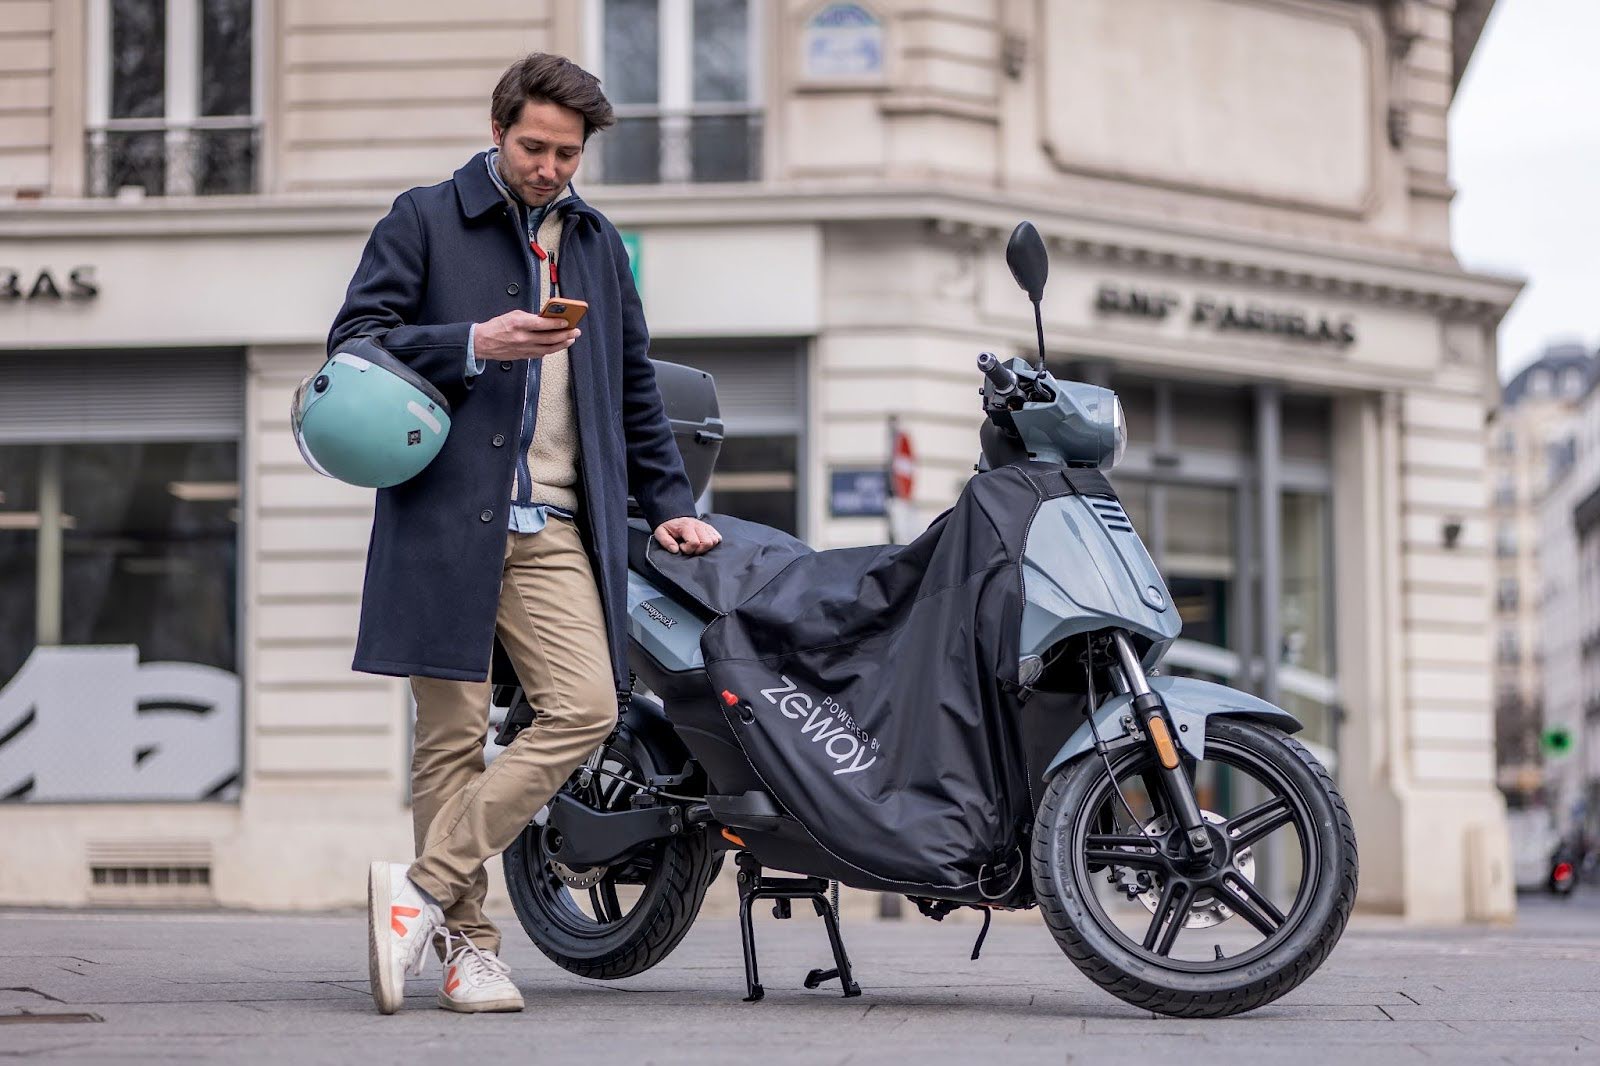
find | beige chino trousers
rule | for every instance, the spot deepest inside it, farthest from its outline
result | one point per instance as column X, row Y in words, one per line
column 553, row 629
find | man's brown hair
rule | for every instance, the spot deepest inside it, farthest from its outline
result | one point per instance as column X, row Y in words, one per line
column 551, row 79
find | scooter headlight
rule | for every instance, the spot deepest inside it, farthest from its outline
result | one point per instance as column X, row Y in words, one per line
column 1119, row 432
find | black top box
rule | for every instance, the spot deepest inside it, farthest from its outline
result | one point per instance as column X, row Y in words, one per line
column 690, row 398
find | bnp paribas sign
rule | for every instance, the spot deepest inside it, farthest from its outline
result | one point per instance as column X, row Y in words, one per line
column 45, row 285
column 1228, row 316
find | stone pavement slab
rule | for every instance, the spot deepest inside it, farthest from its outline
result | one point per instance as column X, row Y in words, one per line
column 252, row 988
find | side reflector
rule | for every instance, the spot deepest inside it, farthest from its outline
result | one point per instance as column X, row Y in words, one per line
column 1163, row 741
column 732, row 837
column 729, row 698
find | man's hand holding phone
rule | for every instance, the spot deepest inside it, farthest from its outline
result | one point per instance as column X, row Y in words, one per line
column 522, row 335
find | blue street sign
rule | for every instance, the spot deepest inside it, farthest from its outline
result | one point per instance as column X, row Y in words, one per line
column 858, row 493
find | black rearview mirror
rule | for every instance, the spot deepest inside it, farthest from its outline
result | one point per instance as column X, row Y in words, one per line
column 1028, row 260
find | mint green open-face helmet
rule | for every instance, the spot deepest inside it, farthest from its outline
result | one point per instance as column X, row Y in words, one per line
column 368, row 419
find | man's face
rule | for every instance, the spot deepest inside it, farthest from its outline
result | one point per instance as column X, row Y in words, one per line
column 541, row 152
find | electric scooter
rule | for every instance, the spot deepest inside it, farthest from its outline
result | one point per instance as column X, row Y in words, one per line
column 1184, row 850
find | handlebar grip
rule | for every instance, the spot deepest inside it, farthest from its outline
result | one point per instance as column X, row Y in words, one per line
column 997, row 372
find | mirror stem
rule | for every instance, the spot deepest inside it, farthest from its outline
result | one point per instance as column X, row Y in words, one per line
column 1038, row 325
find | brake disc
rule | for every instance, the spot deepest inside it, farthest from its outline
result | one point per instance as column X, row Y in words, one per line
column 1206, row 910
column 585, row 878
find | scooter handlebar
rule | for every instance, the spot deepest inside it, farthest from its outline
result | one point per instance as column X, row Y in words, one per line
column 998, row 373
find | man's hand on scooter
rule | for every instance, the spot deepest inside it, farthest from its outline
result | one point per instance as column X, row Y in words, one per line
column 687, row 536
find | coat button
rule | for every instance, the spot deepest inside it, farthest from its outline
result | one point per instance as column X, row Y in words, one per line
column 499, row 439
column 487, row 516
column 506, row 365
column 512, row 290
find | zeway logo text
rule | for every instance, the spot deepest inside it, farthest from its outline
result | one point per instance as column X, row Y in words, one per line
column 845, row 742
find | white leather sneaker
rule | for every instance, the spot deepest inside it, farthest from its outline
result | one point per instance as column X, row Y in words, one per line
column 476, row 980
column 400, row 924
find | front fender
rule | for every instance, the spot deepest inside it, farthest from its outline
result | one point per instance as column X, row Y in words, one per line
column 1190, row 702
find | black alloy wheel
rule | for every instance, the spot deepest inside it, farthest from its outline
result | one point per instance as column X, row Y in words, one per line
column 1181, row 933
column 617, row 921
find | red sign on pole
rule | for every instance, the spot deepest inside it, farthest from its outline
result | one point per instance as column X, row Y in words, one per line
column 902, row 466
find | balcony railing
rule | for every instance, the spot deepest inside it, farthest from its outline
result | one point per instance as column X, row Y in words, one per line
column 657, row 147
column 209, row 157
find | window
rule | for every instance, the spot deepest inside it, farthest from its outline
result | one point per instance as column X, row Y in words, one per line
column 1505, row 494
column 1509, row 594
column 761, row 395
column 172, row 97
column 684, row 78
column 756, row 480
column 1510, row 646
column 119, row 563
column 1505, row 541
column 1508, row 441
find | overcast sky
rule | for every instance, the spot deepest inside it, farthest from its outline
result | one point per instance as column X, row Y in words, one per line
column 1525, row 159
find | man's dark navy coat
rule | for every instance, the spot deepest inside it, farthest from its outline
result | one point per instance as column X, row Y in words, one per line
column 444, row 257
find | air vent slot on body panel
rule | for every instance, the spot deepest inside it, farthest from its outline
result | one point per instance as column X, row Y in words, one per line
column 1111, row 512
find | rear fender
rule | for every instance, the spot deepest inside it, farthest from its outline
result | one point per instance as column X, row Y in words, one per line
column 644, row 718
column 1190, row 702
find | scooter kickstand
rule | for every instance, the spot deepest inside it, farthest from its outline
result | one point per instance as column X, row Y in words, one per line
column 752, row 887
column 749, row 881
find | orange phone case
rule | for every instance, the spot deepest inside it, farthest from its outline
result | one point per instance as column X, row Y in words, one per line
column 561, row 307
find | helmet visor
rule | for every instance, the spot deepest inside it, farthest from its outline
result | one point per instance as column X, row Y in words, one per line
column 297, row 420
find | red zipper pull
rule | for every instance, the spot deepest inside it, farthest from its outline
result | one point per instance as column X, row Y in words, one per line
column 544, row 256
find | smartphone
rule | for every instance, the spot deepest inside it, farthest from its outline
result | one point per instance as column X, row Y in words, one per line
column 561, row 307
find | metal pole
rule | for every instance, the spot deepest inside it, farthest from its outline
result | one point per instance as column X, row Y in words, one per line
column 1269, row 478
column 888, row 479
column 47, row 608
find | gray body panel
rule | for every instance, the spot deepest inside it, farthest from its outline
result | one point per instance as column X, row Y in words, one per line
column 666, row 630
column 1190, row 702
column 1074, row 428
column 1084, row 569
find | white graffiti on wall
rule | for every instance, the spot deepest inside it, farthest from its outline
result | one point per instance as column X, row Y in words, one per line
column 92, row 723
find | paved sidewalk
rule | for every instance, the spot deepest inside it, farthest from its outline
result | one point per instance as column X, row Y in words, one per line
column 228, row 987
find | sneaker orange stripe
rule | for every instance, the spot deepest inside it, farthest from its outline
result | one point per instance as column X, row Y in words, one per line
column 398, row 912
column 451, row 981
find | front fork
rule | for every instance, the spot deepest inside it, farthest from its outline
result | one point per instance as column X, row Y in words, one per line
column 1152, row 715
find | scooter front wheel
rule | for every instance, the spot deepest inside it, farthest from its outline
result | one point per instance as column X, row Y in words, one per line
column 1197, row 935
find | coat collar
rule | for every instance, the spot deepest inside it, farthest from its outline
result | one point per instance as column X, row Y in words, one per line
column 478, row 196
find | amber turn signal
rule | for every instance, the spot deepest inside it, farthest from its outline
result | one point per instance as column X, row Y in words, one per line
column 1159, row 735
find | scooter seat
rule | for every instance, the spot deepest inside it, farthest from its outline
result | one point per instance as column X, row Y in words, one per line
column 749, row 556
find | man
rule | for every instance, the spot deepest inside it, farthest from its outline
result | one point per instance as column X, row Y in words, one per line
column 518, row 528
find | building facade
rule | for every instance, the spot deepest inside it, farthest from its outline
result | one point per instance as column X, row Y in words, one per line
column 1247, row 209
column 1527, row 434
column 1569, row 614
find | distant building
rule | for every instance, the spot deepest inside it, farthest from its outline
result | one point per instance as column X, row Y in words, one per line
column 1569, row 614
column 1531, row 423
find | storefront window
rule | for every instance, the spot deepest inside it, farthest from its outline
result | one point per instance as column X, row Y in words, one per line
column 761, row 400
column 1190, row 531
column 118, row 615
column 755, row 480
column 1305, row 659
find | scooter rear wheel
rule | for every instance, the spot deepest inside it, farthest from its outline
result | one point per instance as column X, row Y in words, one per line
column 613, row 922
column 1179, row 934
